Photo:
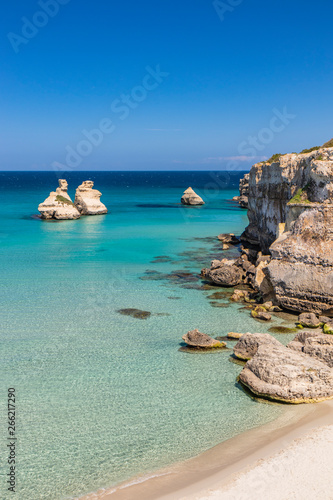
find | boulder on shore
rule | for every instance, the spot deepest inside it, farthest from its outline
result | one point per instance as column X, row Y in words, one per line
column 58, row 204
column 190, row 197
column 194, row 338
column 87, row 200
column 223, row 273
column 228, row 238
column 284, row 375
column 309, row 320
column 317, row 345
column 249, row 343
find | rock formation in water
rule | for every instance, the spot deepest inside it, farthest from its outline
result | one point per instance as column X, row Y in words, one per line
column 87, row 200
column 223, row 273
column 200, row 340
column 243, row 198
column 282, row 374
column 58, row 205
column 190, row 197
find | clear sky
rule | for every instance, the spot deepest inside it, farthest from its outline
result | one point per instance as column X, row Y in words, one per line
column 162, row 85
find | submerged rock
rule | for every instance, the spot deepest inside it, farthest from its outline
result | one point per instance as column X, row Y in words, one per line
column 249, row 343
column 282, row 329
column 58, row 204
column 281, row 374
column 135, row 313
column 87, row 200
column 190, row 197
column 260, row 312
column 195, row 338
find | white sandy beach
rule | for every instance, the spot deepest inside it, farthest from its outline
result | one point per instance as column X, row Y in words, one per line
column 302, row 470
column 288, row 459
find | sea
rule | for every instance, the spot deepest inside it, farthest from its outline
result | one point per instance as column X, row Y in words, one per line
column 102, row 397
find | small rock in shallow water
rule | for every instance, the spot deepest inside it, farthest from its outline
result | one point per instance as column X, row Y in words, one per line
column 260, row 312
column 135, row 313
column 309, row 320
column 194, row 338
column 234, row 335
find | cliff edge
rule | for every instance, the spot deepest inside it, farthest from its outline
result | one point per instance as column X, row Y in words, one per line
column 290, row 211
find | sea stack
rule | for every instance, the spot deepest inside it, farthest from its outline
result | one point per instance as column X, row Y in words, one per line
column 87, row 200
column 58, row 205
column 190, row 197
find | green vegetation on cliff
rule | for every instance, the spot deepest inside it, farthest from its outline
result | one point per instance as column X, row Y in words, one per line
column 62, row 199
column 274, row 158
column 328, row 144
column 315, row 148
column 300, row 197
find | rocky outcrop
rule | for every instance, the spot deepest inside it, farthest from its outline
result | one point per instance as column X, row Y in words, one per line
column 87, row 200
column 200, row 340
column 317, row 345
column 308, row 320
column 301, row 269
column 58, row 204
column 228, row 238
column 243, row 198
column 223, row 273
column 190, row 197
column 273, row 185
column 249, row 343
column 291, row 218
column 282, row 374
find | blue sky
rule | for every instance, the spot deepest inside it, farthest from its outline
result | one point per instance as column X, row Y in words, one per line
column 186, row 85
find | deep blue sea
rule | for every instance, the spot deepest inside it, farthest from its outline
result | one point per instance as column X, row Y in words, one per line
column 100, row 396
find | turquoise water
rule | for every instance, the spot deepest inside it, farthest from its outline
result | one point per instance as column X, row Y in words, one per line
column 101, row 396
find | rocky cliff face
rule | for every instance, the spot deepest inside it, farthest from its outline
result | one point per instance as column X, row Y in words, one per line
column 87, row 200
column 243, row 198
column 58, row 204
column 273, row 185
column 190, row 197
column 291, row 217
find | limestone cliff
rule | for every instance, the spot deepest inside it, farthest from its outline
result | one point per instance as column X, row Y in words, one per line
column 273, row 185
column 243, row 198
column 190, row 197
column 291, row 217
column 58, row 204
column 87, row 200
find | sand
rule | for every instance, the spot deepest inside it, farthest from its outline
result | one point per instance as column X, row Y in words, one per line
column 290, row 458
column 302, row 470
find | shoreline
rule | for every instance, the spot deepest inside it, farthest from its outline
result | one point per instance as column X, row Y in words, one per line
column 221, row 465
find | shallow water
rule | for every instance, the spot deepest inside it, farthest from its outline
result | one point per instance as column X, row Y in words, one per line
column 103, row 396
